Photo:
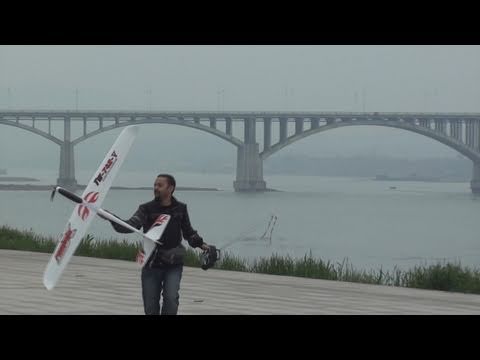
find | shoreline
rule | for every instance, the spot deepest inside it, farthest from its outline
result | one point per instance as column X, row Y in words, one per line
column 29, row 187
column 17, row 178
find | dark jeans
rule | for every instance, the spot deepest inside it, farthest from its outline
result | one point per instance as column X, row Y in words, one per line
column 154, row 280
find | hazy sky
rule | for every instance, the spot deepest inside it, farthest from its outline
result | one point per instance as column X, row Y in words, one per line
column 343, row 78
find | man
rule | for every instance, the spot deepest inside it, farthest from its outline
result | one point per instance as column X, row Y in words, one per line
column 159, row 274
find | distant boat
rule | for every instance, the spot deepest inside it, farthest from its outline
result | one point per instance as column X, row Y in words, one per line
column 393, row 187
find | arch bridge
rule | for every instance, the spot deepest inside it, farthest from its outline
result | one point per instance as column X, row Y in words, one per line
column 459, row 131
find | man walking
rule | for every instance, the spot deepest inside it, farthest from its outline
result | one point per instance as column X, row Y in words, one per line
column 162, row 275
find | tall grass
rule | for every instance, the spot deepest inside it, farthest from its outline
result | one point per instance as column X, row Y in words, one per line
column 440, row 276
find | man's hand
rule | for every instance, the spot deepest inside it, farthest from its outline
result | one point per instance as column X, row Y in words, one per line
column 205, row 247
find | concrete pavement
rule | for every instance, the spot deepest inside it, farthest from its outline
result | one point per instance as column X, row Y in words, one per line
column 101, row 286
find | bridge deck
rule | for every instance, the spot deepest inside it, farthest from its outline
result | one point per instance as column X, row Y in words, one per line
column 98, row 286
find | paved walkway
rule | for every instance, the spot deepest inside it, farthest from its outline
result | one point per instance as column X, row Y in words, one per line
column 100, row 286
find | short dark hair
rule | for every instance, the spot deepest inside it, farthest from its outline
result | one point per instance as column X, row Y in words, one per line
column 170, row 180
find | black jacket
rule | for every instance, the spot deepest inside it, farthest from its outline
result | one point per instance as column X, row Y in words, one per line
column 178, row 226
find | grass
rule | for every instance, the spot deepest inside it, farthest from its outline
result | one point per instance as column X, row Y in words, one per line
column 440, row 276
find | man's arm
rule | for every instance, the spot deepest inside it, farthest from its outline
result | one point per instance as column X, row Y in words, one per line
column 190, row 234
column 137, row 220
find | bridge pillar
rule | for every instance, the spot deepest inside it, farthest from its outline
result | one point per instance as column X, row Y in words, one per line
column 213, row 123
column 456, row 129
column 298, row 126
column 267, row 133
column 249, row 130
column 249, row 163
column 473, row 139
column 283, row 129
column 249, row 169
column 440, row 125
column 67, row 160
column 476, row 134
column 67, row 166
column 469, row 134
column 228, row 126
column 475, row 183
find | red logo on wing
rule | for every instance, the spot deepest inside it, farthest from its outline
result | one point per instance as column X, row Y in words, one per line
column 83, row 211
column 64, row 243
column 140, row 257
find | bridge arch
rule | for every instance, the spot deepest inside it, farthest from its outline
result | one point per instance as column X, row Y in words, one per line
column 440, row 137
column 231, row 139
column 33, row 130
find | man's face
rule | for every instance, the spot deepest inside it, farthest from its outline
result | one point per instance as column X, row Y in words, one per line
column 161, row 188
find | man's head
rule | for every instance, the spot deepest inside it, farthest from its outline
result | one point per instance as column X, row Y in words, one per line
column 164, row 186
